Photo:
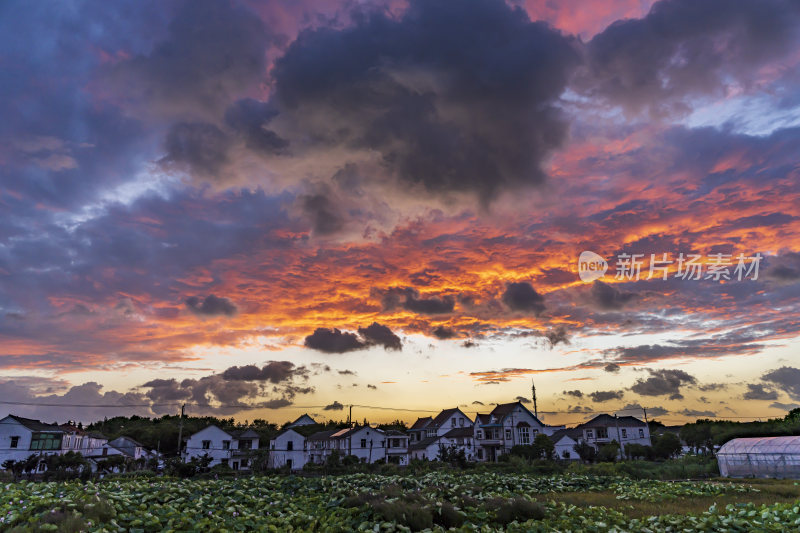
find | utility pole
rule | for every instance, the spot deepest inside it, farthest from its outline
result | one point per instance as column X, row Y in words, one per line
column 180, row 430
column 535, row 408
column 350, row 417
column 619, row 436
column 644, row 410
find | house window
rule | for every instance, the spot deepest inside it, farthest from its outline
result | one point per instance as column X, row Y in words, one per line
column 624, row 433
column 14, row 442
column 480, row 453
column 66, row 445
column 289, row 463
column 589, row 434
column 461, row 422
column 565, row 455
column 363, row 443
column 206, row 444
column 508, row 434
column 524, row 435
column 226, row 445
column 641, row 433
column 602, row 433
column 246, row 444
column 243, row 464
column 45, row 441
column 480, row 434
column 452, row 422
column 290, row 445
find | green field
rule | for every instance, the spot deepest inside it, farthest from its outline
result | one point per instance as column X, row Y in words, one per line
column 480, row 501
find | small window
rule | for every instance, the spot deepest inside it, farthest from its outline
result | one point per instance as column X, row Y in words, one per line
column 363, row 443
column 641, row 433
column 243, row 464
column 480, row 434
column 508, row 434
column 14, row 442
column 226, row 445
column 480, row 453
column 602, row 433
column 453, row 422
column 624, row 433
column 461, row 422
column 289, row 463
column 290, row 445
column 589, row 433
column 206, row 444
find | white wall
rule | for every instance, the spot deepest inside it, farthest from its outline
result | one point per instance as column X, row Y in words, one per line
column 11, row 428
column 216, row 449
column 280, row 455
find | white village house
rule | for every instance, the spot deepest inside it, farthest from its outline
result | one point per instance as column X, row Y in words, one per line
column 604, row 429
column 296, row 446
column 564, row 441
column 508, row 425
column 22, row 437
column 227, row 447
column 451, row 428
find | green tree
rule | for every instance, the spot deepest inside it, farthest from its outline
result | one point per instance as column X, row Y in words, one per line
column 666, row 445
column 608, row 452
column 585, row 451
column 543, row 447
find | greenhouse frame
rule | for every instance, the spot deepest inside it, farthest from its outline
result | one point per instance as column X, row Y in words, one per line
column 773, row 457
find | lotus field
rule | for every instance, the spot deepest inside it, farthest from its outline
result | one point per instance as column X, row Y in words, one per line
column 440, row 500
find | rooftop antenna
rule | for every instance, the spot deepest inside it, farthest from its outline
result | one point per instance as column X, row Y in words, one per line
column 535, row 409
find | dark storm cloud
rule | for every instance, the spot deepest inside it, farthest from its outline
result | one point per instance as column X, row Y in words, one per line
column 273, row 371
column 211, row 305
column 663, row 382
column 272, row 386
column 604, row 396
column 574, row 393
column 685, row 48
column 249, row 119
column 379, row 334
column 786, row 378
column 447, row 104
column 443, row 332
column 333, row 340
column 607, row 296
column 335, row 406
column 212, row 52
column 523, row 399
column 409, row 298
column 613, row 368
column 557, row 335
column 783, row 268
column 521, row 296
column 651, row 411
column 696, row 414
column 757, row 391
column 200, row 148
column 324, row 213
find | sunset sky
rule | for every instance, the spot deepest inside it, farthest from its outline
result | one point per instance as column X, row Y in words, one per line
column 261, row 209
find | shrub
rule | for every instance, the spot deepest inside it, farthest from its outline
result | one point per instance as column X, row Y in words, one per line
column 520, row 510
column 608, row 452
column 448, row 516
column 411, row 515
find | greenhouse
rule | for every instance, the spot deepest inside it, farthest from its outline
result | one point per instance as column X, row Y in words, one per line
column 776, row 457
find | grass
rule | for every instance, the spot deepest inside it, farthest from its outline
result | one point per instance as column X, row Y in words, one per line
column 771, row 491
